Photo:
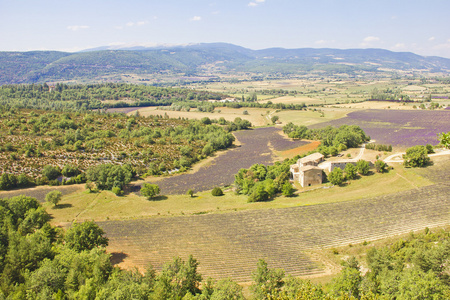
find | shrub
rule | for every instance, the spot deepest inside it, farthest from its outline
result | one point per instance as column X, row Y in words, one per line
column 51, row 172
column 217, row 191
column 416, row 156
column 380, row 166
column 190, row 192
column 149, row 190
column 363, row 167
column 336, row 176
column 117, row 191
column 350, row 171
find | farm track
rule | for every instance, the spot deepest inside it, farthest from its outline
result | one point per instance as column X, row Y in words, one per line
column 229, row 245
column 254, row 149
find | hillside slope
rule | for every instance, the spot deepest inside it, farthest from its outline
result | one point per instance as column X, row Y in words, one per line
column 203, row 59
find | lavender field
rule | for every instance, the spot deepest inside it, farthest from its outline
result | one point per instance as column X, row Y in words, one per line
column 398, row 127
column 254, row 149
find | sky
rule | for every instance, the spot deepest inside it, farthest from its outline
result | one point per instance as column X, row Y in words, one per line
column 421, row 27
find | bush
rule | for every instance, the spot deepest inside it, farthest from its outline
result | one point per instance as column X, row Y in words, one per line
column 350, row 171
column 217, row 191
column 336, row 176
column 51, row 172
column 363, row 167
column 416, row 156
column 190, row 192
column 380, row 166
column 149, row 190
column 117, row 191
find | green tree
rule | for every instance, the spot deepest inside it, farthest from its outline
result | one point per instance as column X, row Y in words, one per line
column 416, row 156
column 267, row 283
column 70, row 170
column 190, row 192
column 350, row 171
column 336, row 176
column 53, row 197
column 149, row 190
column 85, row 236
column 107, row 176
column 380, row 166
column 177, row 279
column 287, row 189
column 8, row 181
column 51, row 172
column 444, row 139
column 363, row 167
column 274, row 119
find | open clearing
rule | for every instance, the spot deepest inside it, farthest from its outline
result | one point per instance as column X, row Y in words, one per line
column 257, row 116
column 229, row 245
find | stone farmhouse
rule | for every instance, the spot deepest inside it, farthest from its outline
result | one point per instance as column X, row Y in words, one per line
column 306, row 170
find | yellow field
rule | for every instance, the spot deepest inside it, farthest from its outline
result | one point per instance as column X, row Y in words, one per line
column 257, row 116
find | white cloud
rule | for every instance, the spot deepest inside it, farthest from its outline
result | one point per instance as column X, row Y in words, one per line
column 400, row 46
column 369, row 41
column 77, row 27
column 431, row 38
column 256, row 3
column 141, row 23
column 195, row 18
column 320, row 42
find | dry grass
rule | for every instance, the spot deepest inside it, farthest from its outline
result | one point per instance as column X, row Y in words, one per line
column 257, row 116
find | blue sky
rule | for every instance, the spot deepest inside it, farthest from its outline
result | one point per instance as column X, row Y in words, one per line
column 421, row 27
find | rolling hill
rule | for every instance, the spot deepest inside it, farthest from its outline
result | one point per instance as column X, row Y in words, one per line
column 203, row 59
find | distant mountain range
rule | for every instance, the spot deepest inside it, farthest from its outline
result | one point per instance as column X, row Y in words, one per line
column 202, row 59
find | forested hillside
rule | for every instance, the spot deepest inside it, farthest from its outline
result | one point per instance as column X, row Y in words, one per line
column 213, row 59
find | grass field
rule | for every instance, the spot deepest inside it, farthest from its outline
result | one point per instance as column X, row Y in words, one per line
column 105, row 205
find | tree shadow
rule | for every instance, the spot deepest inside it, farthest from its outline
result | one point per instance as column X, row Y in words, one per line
column 61, row 206
column 158, row 198
column 117, row 257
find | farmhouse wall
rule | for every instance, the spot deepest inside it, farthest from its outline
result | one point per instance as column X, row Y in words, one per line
column 310, row 176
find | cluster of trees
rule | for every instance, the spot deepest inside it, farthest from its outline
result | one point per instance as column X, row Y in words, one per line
column 350, row 172
column 411, row 268
column 417, row 156
column 333, row 140
column 262, row 183
column 389, row 95
column 90, row 96
column 379, row 147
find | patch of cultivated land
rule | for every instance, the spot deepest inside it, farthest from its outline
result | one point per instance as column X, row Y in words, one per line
column 257, row 116
column 39, row 192
column 398, row 127
column 229, row 245
column 254, row 148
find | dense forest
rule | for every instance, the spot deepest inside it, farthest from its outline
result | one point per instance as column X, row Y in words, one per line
column 96, row 96
column 39, row 261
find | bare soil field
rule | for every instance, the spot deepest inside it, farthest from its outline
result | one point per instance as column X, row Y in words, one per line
column 255, row 147
column 403, row 128
column 229, row 245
